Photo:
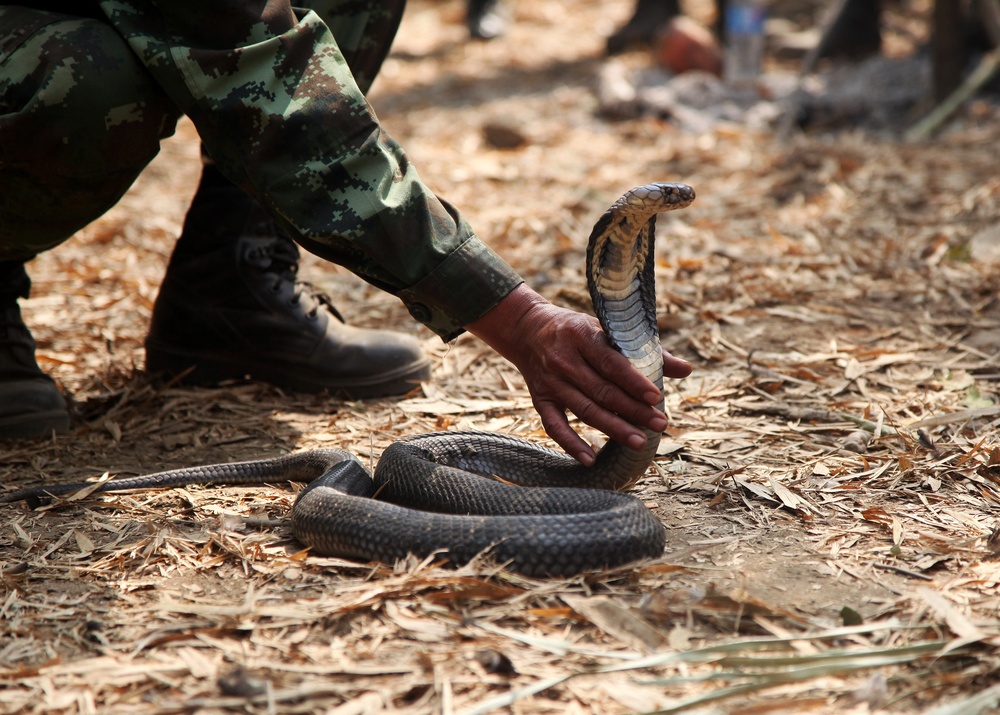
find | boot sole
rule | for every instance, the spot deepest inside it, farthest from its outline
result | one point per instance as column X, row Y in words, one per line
column 207, row 371
column 36, row 425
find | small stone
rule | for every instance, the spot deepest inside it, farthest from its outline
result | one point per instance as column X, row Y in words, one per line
column 503, row 136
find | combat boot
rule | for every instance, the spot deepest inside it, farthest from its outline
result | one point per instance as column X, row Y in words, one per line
column 648, row 18
column 31, row 406
column 231, row 306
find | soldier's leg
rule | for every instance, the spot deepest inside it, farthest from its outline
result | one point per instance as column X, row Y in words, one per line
column 486, row 19
column 648, row 18
column 856, row 32
column 79, row 119
column 230, row 304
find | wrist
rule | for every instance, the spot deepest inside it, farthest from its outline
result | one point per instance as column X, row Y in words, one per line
column 499, row 325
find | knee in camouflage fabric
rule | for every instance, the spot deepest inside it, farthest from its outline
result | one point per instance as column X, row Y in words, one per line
column 79, row 119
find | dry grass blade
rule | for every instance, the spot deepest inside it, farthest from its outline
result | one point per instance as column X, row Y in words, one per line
column 808, row 666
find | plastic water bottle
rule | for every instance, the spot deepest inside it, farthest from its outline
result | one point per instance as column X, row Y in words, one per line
column 744, row 41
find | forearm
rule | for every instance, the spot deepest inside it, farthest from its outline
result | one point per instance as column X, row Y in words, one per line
column 278, row 110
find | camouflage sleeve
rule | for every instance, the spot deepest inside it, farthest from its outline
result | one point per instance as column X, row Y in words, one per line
column 275, row 104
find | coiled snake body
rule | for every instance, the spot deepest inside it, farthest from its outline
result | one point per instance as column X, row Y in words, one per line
column 429, row 497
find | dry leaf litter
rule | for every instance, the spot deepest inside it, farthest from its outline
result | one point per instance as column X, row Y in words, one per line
column 830, row 479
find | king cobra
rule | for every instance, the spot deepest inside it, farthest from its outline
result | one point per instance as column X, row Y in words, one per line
column 429, row 495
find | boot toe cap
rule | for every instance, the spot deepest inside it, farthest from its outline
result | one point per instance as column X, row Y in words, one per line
column 32, row 409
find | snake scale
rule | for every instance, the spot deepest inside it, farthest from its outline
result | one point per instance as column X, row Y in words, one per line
column 431, row 494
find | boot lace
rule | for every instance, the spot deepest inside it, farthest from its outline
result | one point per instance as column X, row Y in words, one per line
column 281, row 259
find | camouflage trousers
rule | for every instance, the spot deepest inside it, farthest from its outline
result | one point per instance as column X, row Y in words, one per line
column 81, row 117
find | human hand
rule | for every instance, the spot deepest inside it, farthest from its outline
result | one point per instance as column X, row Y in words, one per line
column 569, row 365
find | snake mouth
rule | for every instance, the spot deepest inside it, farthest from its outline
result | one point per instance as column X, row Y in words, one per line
column 675, row 196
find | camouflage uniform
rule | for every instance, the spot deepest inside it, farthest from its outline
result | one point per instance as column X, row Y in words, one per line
column 277, row 96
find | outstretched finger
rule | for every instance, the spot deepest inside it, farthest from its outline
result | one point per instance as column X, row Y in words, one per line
column 675, row 367
column 557, row 427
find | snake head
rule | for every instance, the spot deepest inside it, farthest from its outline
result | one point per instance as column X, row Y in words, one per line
column 659, row 196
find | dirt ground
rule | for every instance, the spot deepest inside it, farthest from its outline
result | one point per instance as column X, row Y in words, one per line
column 830, row 479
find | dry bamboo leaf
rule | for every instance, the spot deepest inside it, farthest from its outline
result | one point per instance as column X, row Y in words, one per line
column 958, row 622
column 454, row 406
column 366, row 702
column 419, row 628
column 877, row 515
column 617, row 621
column 83, row 542
column 955, row 417
column 787, row 497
